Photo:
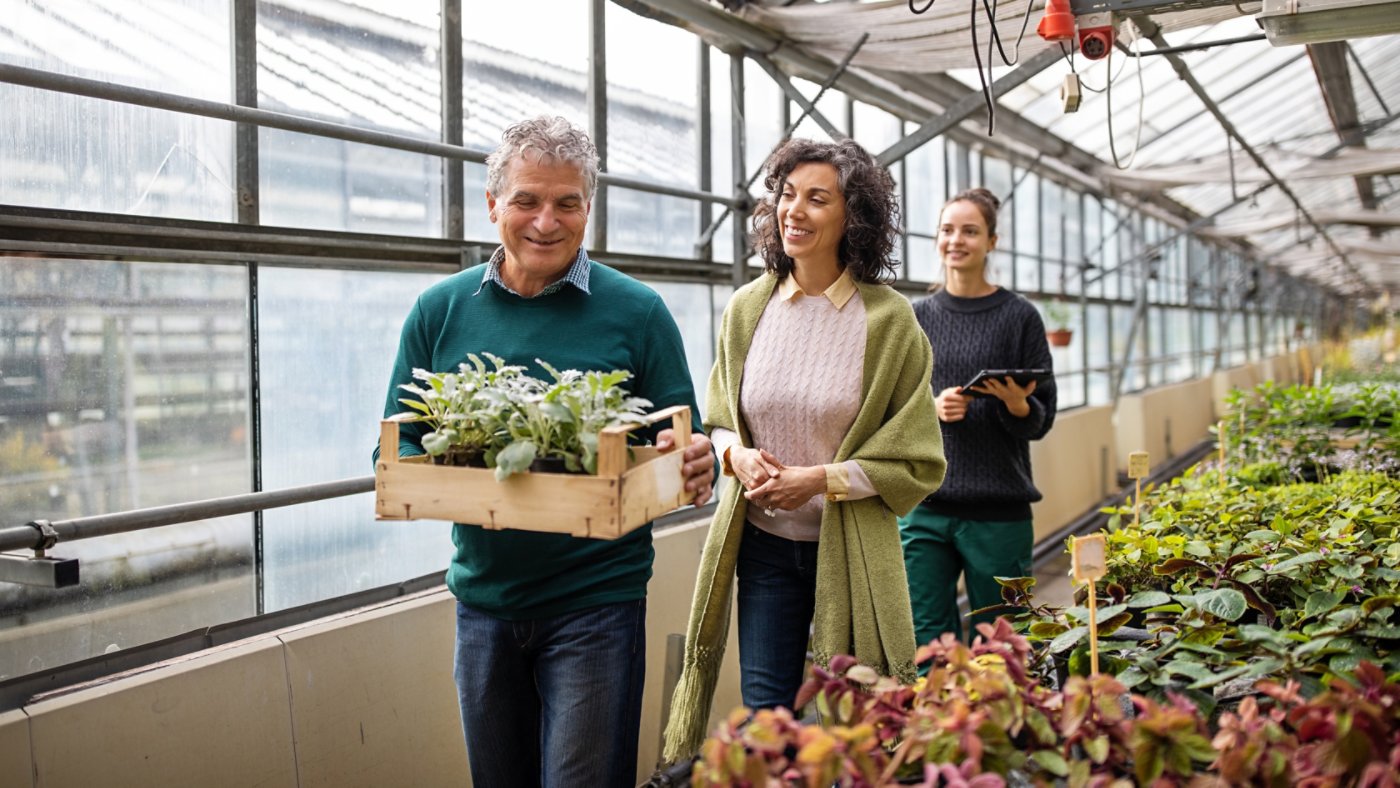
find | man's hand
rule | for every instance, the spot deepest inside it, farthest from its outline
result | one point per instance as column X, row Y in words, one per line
column 951, row 404
column 699, row 470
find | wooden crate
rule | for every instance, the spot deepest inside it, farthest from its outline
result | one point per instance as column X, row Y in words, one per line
column 624, row 495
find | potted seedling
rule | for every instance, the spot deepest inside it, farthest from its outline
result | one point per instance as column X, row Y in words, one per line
column 1057, row 318
column 554, row 427
column 465, row 409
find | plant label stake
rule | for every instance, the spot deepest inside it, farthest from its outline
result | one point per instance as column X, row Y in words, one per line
column 1090, row 562
column 1220, row 440
column 1137, row 469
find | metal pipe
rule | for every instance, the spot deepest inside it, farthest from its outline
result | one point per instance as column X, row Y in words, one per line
column 1203, row 45
column 809, row 108
column 965, row 106
column 26, row 537
column 1182, row 71
column 737, row 152
column 92, row 88
column 707, row 235
column 704, row 138
column 453, row 194
column 596, row 96
column 45, row 80
column 247, row 178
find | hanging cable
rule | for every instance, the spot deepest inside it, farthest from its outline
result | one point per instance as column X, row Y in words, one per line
column 984, row 73
column 996, row 34
column 1142, row 101
column 1069, row 58
column 981, row 75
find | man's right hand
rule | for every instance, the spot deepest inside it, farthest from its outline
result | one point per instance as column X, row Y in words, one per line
column 951, row 404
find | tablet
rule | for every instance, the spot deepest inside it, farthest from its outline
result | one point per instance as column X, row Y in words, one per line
column 1021, row 376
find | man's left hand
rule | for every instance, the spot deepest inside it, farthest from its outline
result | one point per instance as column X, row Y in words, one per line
column 699, row 470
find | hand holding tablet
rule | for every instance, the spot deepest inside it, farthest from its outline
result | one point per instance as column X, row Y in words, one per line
column 1022, row 377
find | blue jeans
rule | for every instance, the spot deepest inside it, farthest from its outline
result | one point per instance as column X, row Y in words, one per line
column 552, row 702
column 777, row 595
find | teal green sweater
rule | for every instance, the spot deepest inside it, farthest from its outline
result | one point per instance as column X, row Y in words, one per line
column 622, row 324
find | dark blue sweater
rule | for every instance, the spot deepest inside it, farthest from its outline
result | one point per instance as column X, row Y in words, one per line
column 989, row 463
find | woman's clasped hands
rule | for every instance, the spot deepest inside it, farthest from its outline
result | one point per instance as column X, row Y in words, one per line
column 771, row 484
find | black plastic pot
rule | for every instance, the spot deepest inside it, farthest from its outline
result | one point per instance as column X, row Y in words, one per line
column 551, row 465
column 470, row 458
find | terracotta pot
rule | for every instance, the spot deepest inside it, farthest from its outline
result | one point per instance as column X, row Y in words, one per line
column 1059, row 337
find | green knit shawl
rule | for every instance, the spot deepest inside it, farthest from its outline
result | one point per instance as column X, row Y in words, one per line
column 862, row 603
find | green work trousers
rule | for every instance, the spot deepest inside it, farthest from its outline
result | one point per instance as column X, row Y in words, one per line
column 937, row 549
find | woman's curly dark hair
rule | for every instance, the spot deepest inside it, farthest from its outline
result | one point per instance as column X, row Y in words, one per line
column 872, row 212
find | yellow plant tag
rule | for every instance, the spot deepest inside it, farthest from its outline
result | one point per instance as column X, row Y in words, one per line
column 1089, row 556
column 1137, row 465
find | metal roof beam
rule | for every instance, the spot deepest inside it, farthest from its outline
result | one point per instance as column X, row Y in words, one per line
column 1154, row 33
column 969, row 103
column 1329, row 62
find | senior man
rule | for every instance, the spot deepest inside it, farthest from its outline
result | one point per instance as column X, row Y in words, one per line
column 550, row 628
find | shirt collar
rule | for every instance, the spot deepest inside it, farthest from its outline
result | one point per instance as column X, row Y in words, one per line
column 838, row 293
column 577, row 275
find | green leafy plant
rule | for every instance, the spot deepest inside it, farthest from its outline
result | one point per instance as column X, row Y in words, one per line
column 1058, row 314
column 466, row 411
column 562, row 420
column 498, row 417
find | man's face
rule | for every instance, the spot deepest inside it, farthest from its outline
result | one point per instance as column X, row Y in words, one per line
column 541, row 216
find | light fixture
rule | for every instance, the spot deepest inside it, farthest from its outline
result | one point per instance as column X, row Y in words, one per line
column 1288, row 22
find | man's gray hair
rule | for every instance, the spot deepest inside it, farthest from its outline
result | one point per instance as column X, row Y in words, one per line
column 556, row 139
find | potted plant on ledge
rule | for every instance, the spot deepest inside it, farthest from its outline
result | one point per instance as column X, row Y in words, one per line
column 1057, row 320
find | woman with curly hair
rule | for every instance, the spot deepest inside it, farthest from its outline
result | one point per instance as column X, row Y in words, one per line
column 819, row 406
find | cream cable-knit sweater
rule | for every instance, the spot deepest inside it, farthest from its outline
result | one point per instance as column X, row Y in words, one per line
column 801, row 391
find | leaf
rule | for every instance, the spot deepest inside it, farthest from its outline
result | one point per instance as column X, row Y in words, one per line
column 515, row 458
column 1267, row 666
column 1298, row 560
column 1132, row 677
column 1148, row 599
column 1068, row 639
column 862, row 674
column 1198, row 548
column 1052, row 762
column 1227, row 604
column 1113, row 624
column 1221, row 677
column 1189, row 669
column 1264, row 535
column 1097, row 748
column 435, row 443
column 1173, row 565
column 1349, row 571
column 1047, row 629
column 417, row 405
column 1239, row 558
column 557, row 412
column 1254, row 633
column 1377, row 602
column 1107, row 612
column 1320, row 602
